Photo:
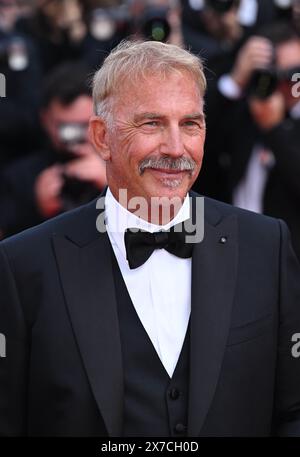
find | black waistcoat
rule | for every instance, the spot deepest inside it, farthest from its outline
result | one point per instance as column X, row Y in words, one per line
column 154, row 403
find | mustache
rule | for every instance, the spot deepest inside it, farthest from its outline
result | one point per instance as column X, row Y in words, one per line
column 167, row 163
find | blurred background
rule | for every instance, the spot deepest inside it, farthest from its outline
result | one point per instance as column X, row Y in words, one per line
column 50, row 48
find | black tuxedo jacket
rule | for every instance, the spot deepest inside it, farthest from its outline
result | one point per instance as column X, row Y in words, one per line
column 62, row 374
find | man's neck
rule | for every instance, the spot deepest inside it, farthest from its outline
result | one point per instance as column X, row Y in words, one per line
column 157, row 211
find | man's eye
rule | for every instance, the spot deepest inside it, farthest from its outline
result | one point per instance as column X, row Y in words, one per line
column 152, row 123
column 191, row 124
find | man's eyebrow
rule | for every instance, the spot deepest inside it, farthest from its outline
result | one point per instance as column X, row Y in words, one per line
column 195, row 116
column 143, row 116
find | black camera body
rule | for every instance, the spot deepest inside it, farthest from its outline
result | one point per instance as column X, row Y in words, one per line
column 74, row 191
column 264, row 82
column 155, row 25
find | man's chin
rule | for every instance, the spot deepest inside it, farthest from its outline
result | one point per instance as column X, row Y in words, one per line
column 166, row 191
column 168, row 185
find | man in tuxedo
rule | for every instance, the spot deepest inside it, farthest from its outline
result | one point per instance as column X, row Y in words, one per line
column 125, row 332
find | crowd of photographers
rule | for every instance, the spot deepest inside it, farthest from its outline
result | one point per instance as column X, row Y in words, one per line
column 50, row 48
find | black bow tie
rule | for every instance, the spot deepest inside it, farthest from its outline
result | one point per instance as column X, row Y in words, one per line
column 140, row 244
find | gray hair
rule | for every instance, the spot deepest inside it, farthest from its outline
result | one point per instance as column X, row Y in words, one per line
column 135, row 60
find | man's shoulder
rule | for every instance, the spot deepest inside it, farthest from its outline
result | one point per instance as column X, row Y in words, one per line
column 255, row 232
column 80, row 222
column 216, row 211
column 227, row 209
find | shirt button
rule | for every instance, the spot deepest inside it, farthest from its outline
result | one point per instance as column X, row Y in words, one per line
column 174, row 393
column 179, row 428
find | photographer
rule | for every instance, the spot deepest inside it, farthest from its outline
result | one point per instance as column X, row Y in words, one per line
column 107, row 22
column 110, row 21
column 257, row 112
column 218, row 28
column 67, row 172
column 158, row 20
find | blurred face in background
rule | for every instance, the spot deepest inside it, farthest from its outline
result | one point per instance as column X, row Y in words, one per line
column 50, row 8
column 61, row 13
column 56, row 114
column 223, row 25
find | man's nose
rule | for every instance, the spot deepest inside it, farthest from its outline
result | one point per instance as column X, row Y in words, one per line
column 172, row 143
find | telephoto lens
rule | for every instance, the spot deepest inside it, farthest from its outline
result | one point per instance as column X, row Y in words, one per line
column 155, row 24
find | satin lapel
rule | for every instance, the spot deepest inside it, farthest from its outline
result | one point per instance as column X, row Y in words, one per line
column 87, row 281
column 214, row 267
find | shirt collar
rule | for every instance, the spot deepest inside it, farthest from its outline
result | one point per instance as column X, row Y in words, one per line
column 118, row 219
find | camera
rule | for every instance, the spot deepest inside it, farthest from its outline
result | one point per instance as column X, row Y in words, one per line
column 154, row 22
column 74, row 191
column 264, row 82
column 72, row 134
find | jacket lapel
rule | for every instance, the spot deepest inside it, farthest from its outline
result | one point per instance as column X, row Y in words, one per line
column 84, row 263
column 214, row 267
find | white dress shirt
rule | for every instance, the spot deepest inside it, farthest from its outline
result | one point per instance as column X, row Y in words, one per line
column 160, row 289
column 249, row 193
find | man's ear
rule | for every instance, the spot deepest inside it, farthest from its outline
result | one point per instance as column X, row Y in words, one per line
column 99, row 137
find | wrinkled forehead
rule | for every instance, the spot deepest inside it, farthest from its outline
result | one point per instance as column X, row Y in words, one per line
column 176, row 96
column 147, row 81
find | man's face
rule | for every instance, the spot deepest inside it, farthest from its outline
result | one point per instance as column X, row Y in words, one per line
column 158, row 124
column 288, row 57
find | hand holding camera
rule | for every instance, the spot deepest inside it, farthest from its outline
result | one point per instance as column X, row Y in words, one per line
column 78, row 175
column 256, row 54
